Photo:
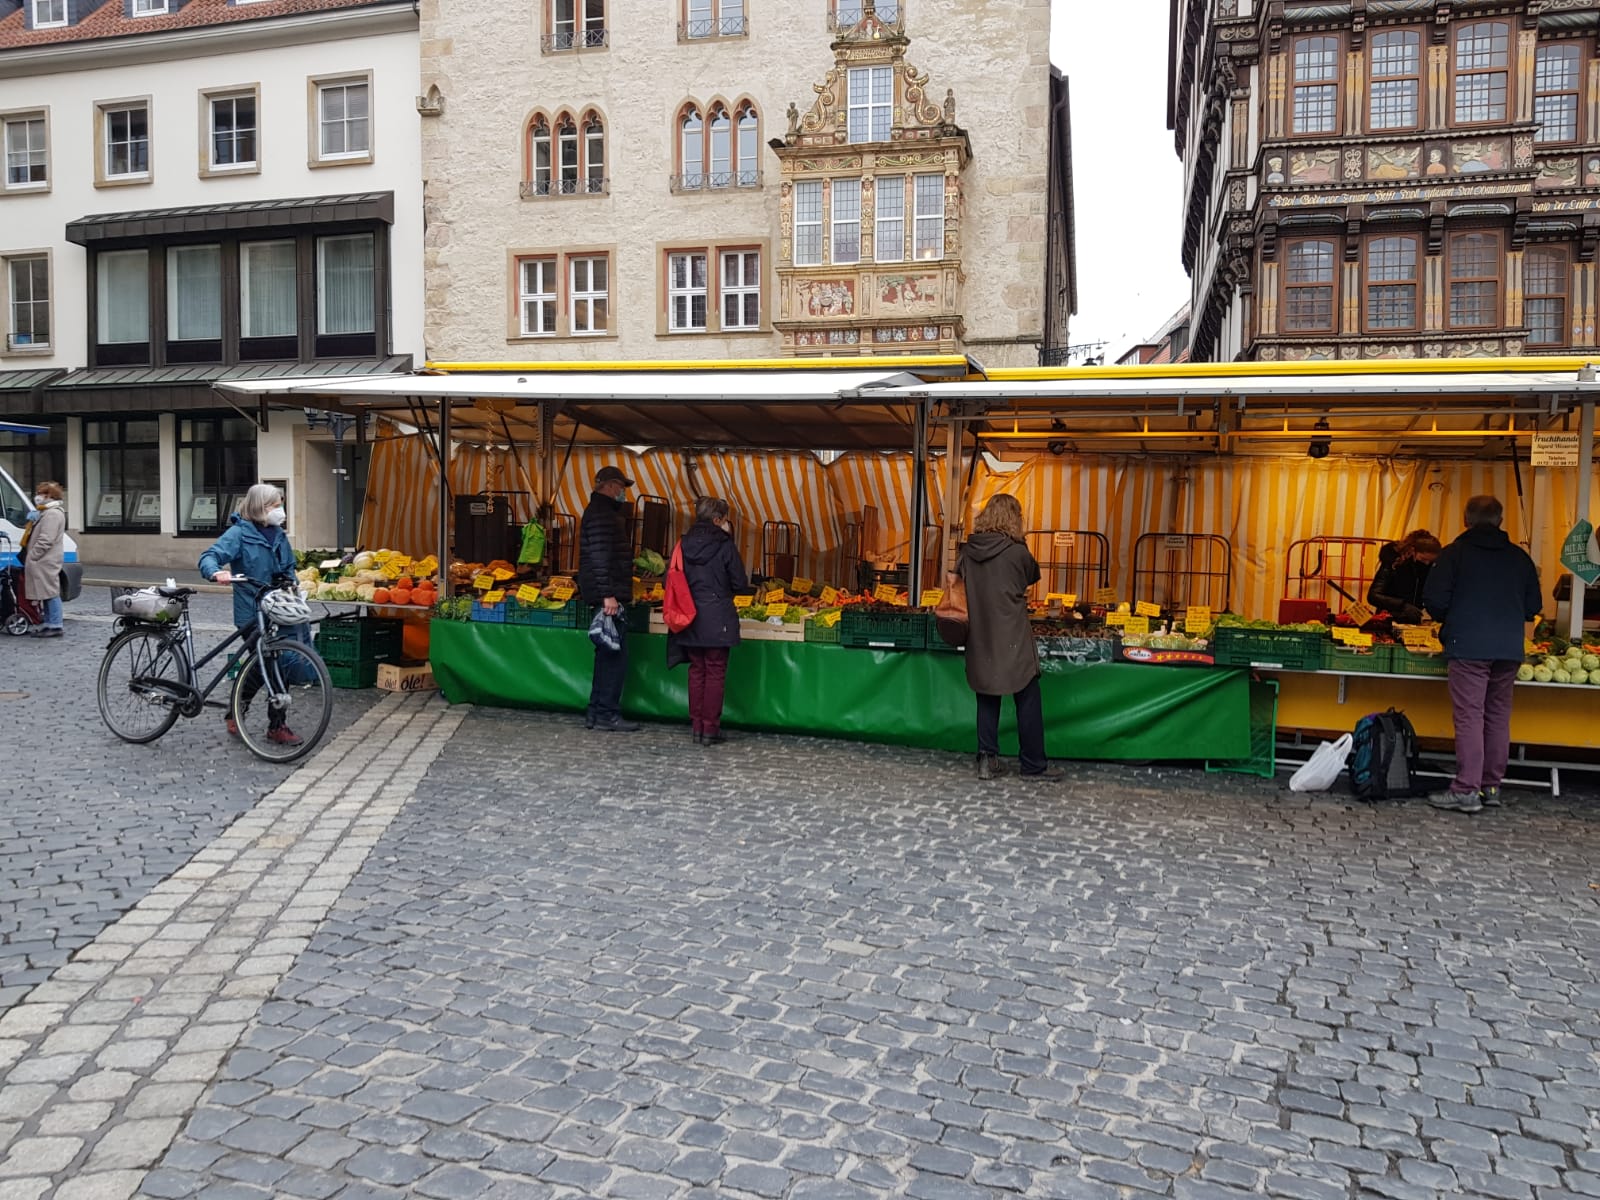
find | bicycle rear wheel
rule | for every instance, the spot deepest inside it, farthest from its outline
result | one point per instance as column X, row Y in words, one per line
column 143, row 678
column 282, row 700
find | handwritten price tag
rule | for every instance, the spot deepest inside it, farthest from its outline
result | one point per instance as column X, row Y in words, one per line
column 1105, row 596
column 1145, row 609
column 1360, row 614
column 800, row 585
column 775, row 596
column 1357, row 638
column 1118, row 618
column 1138, row 626
column 528, row 593
column 483, row 582
column 1341, row 633
column 501, row 574
column 931, row 597
column 1416, row 636
column 777, row 610
column 886, row 593
column 1067, row 599
column 563, row 593
column 495, row 596
column 830, row 595
column 1197, row 618
column 743, row 601
column 829, row 619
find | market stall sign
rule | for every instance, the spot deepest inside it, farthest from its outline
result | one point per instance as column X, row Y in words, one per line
column 829, row 619
column 886, row 593
column 800, row 585
column 1554, row 450
column 1167, row 658
column 1359, row 613
column 495, row 596
column 1351, row 637
column 528, row 593
column 830, row 595
column 1578, row 553
column 931, row 597
column 501, row 574
column 562, row 592
column 1065, row 539
column 743, row 601
column 1067, row 599
column 1137, row 626
column 1119, row 618
column 1416, row 635
column 483, row 582
column 1145, row 609
column 776, row 609
column 1106, row 596
column 1197, row 618
column 775, row 596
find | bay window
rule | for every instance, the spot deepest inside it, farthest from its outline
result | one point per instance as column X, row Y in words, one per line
column 1308, row 286
column 1544, row 290
column 1482, row 71
column 1314, row 99
column 1473, row 268
column 929, row 216
column 808, row 223
column 345, row 293
column 1391, row 284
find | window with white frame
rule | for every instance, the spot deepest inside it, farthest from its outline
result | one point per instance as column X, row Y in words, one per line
column 567, row 150
column 194, row 293
column 27, row 158
column 537, row 296
column 889, row 231
column 344, row 120
column 929, row 232
column 267, row 301
column 871, row 103
column 748, row 162
column 741, row 289
column 590, row 294
column 686, row 292
column 344, row 284
column 149, row 8
column 594, row 154
column 47, row 13
column 122, row 297
column 721, row 148
column 233, row 131
column 808, row 223
column 846, row 220
column 713, row 18
column 576, row 25
column 29, row 278
column 127, row 141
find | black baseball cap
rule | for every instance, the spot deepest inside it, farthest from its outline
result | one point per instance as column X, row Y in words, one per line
column 611, row 475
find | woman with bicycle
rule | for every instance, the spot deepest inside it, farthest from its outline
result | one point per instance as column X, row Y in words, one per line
column 255, row 547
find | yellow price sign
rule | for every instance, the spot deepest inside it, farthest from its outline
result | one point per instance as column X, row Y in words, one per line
column 1341, row 633
column 1433, row 646
column 1360, row 613
column 777, row 610
column 1067, row 598
column 399, row 561
column 830, row 595
column 886, row 593
column 657, row 592
column 1105, row 596
column 1528, row 647
column 501, row 574
column 1119, row 618
column 931, row 597
column 528, row 593
column 829, row 619
column 1357, row 638
column 1197, row 618
column 1138, row 626
column 495, row 596
column 1416, row 636
column 563, row 593
column 800, row 585
column 743, row 601
column 483, row 582
column 1145, row 609
column 775, row 596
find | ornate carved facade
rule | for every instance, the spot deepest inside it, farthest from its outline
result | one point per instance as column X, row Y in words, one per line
column 1389, row 178
column 871, row 219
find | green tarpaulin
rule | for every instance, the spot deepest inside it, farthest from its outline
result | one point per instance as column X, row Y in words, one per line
column 1109, row 711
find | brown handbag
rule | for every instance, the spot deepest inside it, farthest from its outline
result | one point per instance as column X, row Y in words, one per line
column 950, row 614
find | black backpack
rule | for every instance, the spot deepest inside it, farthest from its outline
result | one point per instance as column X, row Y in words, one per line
column 1384, row 760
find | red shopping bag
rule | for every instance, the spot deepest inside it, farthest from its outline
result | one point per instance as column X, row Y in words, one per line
column 677, row 606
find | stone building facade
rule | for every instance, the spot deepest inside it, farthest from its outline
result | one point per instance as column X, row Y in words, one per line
column 1388, row 178
column 712, row 179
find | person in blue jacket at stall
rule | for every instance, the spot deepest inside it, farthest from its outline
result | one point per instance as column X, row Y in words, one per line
column 254, row 546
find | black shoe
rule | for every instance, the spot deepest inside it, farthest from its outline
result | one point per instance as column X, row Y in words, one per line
column 699, row 738
column 1491, row 797
column 989, row 767
column 1046, row 775
column 588, row 719
column 712, row 739
column 615, row 725
column 46, row 632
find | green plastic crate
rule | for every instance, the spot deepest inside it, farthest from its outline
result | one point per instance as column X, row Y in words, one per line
column 356, row 640
column 1272, row 649
column 1379, row 660
column 862, row 630
column 823, row 635
column 1408, row 662
column 639, row 617
column 353, row 675
column 1263, row 758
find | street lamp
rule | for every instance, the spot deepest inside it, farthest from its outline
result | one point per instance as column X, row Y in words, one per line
column 338, row 423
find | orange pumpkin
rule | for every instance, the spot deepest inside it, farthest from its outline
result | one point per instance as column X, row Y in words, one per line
column 380, row 595
column 404, row 583
column 423, row 599
column 400, row 595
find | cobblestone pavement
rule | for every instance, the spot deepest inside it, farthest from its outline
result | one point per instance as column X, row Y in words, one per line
column 89, row 824
column 586, row 965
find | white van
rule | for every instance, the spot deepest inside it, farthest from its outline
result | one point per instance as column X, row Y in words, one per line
column 14, row 508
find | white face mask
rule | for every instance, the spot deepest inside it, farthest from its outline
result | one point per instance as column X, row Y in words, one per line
column 276, row 516
column 39, row 501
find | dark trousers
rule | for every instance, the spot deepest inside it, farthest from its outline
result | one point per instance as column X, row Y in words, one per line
column 610, row 670
column 1480, row 697
column 708, row 676
column 1030, row 726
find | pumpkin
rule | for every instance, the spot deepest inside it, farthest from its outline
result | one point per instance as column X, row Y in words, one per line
column 380, row 595
column 404, row 583
column 400, row 595
column 423, row 599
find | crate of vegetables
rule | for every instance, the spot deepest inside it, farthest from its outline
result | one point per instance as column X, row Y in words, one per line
column 1269, row 646
column 884, row 627
column 1377, row 659
column 1417, row 662
column 552, row 614
column 353, row 641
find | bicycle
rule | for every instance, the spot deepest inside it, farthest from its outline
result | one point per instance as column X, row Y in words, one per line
column 150, row 677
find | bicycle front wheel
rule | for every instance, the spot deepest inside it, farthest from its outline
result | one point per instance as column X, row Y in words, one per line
column 282, row 700
column 143, row 678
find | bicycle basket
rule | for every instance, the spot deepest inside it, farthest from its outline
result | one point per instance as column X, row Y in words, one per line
column 145, row 604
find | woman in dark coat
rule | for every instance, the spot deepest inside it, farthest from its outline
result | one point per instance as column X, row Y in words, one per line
column 1002, row 659
column 716, row 574
column 1403, row 568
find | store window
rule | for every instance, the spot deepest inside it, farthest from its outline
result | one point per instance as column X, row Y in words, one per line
column 1556, row 73
column 1395, row 102
column 122, row 474
column 1314, row 101
column 1544, row 290
column 122, row 307
column 1482, row 71
column 1391, row 284
column 1474, row 274
column 31, row 459
column 1308, row 285
column 194, row 304
column 216, row 466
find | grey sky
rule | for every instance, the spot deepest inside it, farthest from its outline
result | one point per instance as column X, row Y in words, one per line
column 1128, row 181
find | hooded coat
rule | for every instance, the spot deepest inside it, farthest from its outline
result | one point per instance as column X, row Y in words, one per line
column 1484, row 589
column 1002, row 657
column 45, row 552
column 716, row 574
column 254, row 551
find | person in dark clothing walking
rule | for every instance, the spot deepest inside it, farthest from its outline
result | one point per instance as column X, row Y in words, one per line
column 1002, row 659
column 715, row 574
column 1402, row 576
column 605, row 580
column 1484, row 589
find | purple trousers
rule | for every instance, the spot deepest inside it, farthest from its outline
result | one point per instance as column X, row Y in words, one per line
column 708, row 673
column 1480, row 695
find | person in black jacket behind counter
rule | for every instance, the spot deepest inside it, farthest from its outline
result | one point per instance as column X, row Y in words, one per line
column 605, row 580
column 1402, row 576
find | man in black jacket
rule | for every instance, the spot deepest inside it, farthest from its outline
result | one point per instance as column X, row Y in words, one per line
column 1484, row 589
column 605, row 579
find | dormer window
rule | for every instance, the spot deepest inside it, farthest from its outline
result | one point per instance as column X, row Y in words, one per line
column 871, row 101
column 49, row 13
column 149, row 8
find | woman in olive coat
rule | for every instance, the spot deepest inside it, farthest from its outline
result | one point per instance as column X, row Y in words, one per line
column 1002, row 659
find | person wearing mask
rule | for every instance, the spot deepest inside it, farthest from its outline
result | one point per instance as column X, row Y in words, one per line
column 1002, row 659
column 715, row 574
column 255, row 547
column 1403, row 568
column 42, row 551
column 1485, row 589
column 605, row 580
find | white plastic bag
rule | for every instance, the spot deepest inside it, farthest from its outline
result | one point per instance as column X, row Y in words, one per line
column 1322, row 771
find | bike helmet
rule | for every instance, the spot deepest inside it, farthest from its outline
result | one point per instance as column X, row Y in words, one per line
column 285, row 608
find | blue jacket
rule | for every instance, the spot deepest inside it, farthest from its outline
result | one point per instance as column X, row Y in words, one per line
column 246, row 549
column 1484, row 589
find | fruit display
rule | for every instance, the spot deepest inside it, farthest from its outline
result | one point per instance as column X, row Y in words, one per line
column 383, row 577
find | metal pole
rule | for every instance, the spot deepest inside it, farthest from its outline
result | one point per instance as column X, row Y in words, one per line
column 919, row 496
column 336, row 421
column 952, row 495
column 547, row 461
column 1585, row 507
column 444, row 491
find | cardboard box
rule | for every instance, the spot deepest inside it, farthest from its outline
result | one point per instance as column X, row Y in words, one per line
column 406, row 677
